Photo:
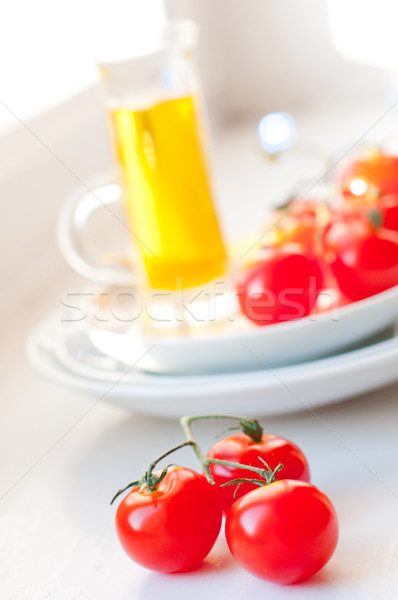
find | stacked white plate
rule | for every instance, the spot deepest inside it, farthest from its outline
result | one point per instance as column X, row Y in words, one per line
column 261, row 371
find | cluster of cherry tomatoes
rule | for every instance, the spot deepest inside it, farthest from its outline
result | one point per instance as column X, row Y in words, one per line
column 278, row 526
column 348, row 245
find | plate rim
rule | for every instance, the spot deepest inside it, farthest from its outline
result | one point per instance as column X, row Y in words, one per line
column 299, row 371
column 262, row 331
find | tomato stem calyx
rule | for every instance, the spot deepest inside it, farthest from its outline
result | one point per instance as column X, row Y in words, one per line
column 375, row 217
column 238, row 483
column 150, row 481
column 248, row 425
column 267, row 474
column 252, row 428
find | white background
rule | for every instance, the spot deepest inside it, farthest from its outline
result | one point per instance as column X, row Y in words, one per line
column 63, row 456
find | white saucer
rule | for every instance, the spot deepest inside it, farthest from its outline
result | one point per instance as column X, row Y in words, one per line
column 225, row 349
column 64, row 352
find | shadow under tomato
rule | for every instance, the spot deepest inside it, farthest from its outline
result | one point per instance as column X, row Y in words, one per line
column 211, row 572
column 325, row 576
column 219, row 559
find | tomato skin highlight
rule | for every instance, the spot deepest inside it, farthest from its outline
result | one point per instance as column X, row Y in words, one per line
column 282, row 286
column 284, row 532
column 380, row 176
column 173, row 528
column 379, row 171
column 240, row 448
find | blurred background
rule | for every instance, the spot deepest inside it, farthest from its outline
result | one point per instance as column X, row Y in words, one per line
column 254, row 57
column 329, row 63
column 332, row 65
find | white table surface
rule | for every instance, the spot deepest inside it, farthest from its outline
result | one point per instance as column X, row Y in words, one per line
column 64, row 454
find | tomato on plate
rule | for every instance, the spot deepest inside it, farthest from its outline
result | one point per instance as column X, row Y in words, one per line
column 363, row 258
column 378, row 171
column 385, row 207
column 240, row 448
column 172, row 528
column 282, row 286
column 299, row 222
column 372, row 182
column 284, row 532
column 371, row 199
column 295, row 224
column 330, row 299
column 388, row 205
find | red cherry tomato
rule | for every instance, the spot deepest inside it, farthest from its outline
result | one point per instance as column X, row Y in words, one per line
column 173, row 528
column 299, row 226
column 330, row 298
column 379, row 171
column 298, row 223
column 240, row 448
column 300, row 231
column 388, row 205
column 363, row 259
column 280, row 287
column 284, row 532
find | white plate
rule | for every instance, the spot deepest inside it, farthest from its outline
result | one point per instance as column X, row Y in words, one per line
column 64, row 353
column 246, row 347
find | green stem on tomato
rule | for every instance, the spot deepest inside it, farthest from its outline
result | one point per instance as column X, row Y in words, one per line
column 149, row 480
column 186, row 425
column 162, row 456
column 267, row 473
column 240, row 480
column 248, row 425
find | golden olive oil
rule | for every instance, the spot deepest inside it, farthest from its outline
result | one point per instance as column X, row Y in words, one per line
column 167, row 193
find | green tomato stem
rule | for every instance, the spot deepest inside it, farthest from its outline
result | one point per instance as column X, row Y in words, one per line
column 162, row 456
column 186, row 425
column 267, row 473
column 149, row 480
column 248, row 425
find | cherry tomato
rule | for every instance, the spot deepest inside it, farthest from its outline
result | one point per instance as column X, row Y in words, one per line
column 379, row 171
column 173, row 528
column 329, row 299
column 280, row 287
column 300, row 223
column 295, row 227
column 284, row 532
column 240, row 448
column 362, row 257
column 388, row 206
